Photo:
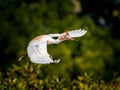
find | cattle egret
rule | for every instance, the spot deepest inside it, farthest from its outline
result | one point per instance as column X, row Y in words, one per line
column 37, row 48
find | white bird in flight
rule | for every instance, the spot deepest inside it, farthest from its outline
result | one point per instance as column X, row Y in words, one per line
column 37, row 48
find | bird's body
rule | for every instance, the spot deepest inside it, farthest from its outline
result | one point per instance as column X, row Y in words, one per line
column 37, row 48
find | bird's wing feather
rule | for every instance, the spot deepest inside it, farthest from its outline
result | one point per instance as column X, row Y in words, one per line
column 72, row 33
column 54, row 35
column 76, row 33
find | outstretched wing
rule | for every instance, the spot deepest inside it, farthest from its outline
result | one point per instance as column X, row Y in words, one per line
column 73, row 33
column 76, row 33
column 37, row 52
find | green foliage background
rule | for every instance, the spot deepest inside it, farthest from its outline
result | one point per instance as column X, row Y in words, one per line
column 90, row 63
